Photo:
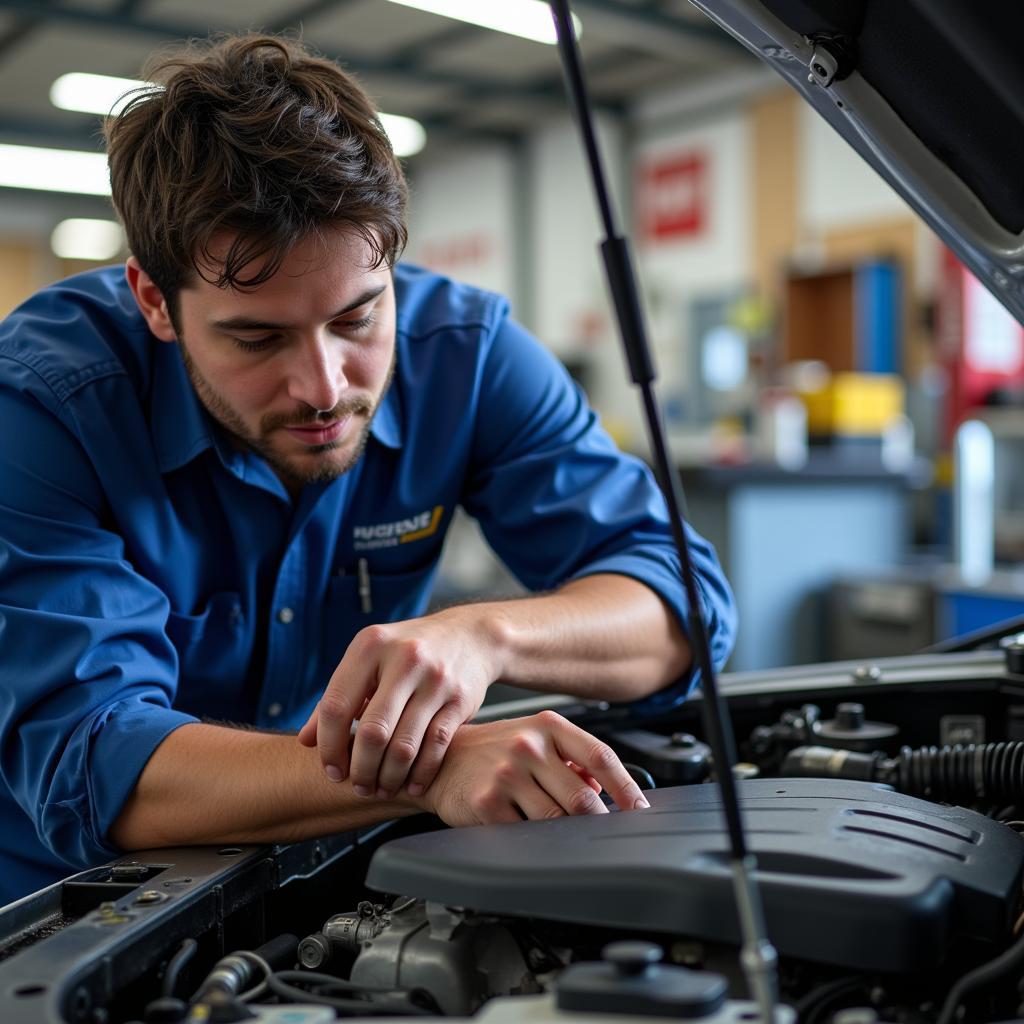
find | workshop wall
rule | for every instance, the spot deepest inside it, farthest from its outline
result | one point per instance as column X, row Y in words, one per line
column 837, row 186
column 22, row 271
column 462, row 217
column 27, row 263
column 774, row 184
column 704, row 252
column 569, row 303
column 570, row 308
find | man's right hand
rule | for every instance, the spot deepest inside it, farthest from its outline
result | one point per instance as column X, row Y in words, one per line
column 537, row 767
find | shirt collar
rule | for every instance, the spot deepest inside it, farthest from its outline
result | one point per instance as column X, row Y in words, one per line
column 181, row 427
column 389, row 423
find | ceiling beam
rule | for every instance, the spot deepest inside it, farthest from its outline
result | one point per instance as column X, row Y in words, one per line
column 313, row 9
column 411, row 55
column 18, row 32
column 31, row 131
column 654, row 32
column 22, row 28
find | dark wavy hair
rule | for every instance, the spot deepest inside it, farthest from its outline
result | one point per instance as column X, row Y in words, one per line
column 257, row 136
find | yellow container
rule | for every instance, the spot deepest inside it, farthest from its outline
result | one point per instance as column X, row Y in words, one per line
column 854, row 404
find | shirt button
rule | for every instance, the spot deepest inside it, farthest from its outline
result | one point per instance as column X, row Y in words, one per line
column 285, row 615
column 274, row 710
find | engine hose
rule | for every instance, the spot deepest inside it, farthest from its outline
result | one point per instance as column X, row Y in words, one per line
column 961, row 774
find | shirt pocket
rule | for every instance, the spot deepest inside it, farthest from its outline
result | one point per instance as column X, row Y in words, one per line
column 392, row 597
column 211, row 644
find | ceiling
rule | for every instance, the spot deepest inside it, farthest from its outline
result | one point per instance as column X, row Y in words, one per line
column 461, row 81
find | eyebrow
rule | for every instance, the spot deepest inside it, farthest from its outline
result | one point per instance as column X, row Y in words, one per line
column 245, row 323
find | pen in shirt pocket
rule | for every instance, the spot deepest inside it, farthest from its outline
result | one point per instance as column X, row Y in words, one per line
column 365, row 590
column 363, row 585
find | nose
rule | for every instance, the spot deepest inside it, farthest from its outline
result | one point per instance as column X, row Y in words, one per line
column 317, row 376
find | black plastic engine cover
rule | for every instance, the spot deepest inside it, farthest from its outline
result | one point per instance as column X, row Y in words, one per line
column 851, row 873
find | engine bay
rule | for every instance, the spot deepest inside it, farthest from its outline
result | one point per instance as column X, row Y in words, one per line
column 881, row 802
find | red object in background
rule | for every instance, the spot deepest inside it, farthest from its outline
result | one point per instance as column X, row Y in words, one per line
column 454, row 255
column 672, row 197
column 980, row 343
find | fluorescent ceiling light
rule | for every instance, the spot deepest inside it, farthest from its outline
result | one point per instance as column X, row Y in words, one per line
column 94, row 94
column 81, row 238
column 530, row 19
column 407, row 135
column 104, row 94
column 54, row 170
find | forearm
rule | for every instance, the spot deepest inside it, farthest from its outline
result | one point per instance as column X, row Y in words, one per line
column 209, row 784
column 606, row 637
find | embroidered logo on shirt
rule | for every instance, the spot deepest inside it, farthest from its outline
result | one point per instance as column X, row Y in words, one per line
column 401, row 531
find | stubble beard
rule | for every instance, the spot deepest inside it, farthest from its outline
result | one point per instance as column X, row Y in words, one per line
column 291, row 469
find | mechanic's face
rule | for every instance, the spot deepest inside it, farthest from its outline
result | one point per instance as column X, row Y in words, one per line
column 296, row 367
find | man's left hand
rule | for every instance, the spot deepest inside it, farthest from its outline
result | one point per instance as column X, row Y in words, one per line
column 410, row 685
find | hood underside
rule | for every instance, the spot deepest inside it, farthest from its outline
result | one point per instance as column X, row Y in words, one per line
column 929, row 92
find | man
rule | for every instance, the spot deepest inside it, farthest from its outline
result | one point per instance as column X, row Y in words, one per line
column 225, row 477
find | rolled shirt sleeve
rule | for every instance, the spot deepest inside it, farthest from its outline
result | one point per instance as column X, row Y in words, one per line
column 557, row 500
column 87, row 674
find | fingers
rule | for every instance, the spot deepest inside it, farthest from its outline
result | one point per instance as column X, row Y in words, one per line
column 376, row 736
column 436, row 740
column 417, row 745
column 539, row 784
column 536, row 778
column 568, row 789
column 307, row 734
column 538, row 767
column 537, row 803
column 589, row 779
column 396, row 680
column 513, row 792
column 407, row 725
column 331, row 722
column 596, row 759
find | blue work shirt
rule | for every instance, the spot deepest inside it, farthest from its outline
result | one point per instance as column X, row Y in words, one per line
column 152, row 574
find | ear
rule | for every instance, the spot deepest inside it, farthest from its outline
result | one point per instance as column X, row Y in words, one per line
column 150, row 300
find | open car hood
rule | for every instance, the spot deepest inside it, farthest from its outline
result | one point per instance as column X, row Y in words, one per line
column 930, row 93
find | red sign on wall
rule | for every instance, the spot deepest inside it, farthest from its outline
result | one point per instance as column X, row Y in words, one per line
column 672, row 197
column 452, row 255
